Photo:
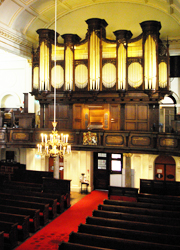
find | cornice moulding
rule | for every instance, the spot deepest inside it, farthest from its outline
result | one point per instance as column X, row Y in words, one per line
column 15, row 43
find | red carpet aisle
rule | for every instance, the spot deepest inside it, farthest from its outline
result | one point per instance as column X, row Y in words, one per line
column 59, row 229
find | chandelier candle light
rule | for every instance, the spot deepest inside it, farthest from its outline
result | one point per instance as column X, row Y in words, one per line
column 57, row 145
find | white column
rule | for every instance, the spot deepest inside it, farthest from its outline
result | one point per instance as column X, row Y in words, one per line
column 56, row 167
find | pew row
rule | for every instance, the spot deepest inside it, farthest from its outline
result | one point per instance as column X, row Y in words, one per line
column 133, row 225
column 160, row 199
column 159, row 187
column 51, row 202
column 34, row 217
column 105, row 213
column 14, row 185
column 30, row 176
column 22, row 223
column 117, row 243
column 122, row 193
column 148, row 205
column 58, row 197
column 27, row 184
column 10, row 234
column 129, row 234
column 73, row 246
column 2, row 240
column 58, row 186
column 44, row 208
column 142, row 211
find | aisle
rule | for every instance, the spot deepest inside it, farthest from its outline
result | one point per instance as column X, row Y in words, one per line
column 59, row 229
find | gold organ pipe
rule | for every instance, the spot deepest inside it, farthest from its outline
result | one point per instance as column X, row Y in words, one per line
column 44, row 67
column 150, row 63
column 121, row 67
column 94, row 61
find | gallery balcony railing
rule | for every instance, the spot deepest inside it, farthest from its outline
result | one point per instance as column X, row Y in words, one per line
column 99, row 140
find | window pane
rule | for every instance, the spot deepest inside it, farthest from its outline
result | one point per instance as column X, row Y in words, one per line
column 115, row 165
column 101, row 164
column 116, row 156
column 102, row 155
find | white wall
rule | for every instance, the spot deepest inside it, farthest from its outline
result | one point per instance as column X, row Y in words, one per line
column 36, row 162
column 15, row 75
column 175, row 88
column 76, row 163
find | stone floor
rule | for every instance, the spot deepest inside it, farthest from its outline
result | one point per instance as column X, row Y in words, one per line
column 75, row 197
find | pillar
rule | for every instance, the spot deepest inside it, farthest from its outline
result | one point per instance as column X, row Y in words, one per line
column 56, row 167
column 128, row 170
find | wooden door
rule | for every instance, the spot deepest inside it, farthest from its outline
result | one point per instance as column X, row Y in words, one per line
column 159, row 172
column 170, row 172
column 165, row 168
column 77, row 116
column 169, row 116
column 101, row 171
column 136, row 117
column 115, row 116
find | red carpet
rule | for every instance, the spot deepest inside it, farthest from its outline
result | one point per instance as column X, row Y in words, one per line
column 59, row 229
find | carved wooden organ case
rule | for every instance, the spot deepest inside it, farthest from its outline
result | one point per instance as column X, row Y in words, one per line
column 123, row 79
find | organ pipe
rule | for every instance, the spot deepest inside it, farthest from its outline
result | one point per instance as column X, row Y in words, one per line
column 162, row 75
column 94, row 62
column 121, row 67
column 44, row 67
column 68, row 69
column 150, row 63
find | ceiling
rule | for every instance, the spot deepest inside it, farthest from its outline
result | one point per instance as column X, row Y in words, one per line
column 19, row 19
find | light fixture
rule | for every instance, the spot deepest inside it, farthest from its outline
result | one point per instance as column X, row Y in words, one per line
column 56, row 145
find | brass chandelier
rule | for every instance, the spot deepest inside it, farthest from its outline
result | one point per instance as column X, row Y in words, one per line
column 56, row 145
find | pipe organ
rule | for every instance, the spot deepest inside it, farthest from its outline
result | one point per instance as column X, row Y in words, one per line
column 97, row 63
column 124, row 78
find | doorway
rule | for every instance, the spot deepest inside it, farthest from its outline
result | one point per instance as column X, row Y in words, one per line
column 106, row 164
column 165, row 168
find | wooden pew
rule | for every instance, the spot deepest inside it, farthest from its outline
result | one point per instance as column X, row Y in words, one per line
column 2, row 240
column 104, row 213
column 148, row 205
column 122, row 193
column 159, row 199
column 73, row 246
column 34, row 217
column 21, row 220
column 58, row 186
column 129, row 234
column 133, row 225
column 31, row 176
column 60, row 198
column 44, row 208
column 158, row 187
column 117, row 243
column 10, row 234
column 27, row 184
column 52, row 202
column 19, row 186
column 143, row 211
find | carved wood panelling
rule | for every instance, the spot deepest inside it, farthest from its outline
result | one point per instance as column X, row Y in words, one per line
column 136, row 117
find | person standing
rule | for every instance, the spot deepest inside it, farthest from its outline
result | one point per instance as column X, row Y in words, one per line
column 21, row 110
